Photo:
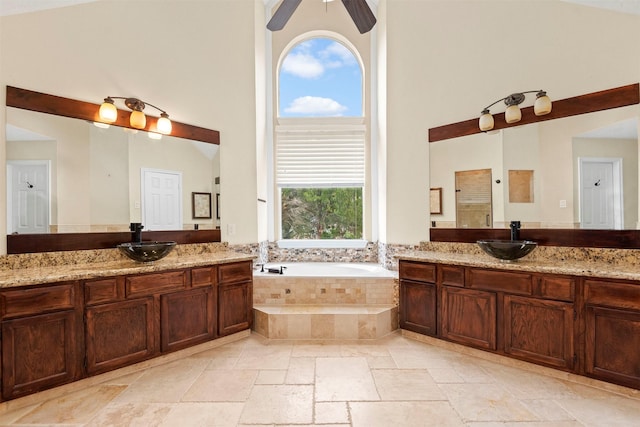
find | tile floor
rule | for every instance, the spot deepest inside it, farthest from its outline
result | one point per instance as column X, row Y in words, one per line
column 393, row 381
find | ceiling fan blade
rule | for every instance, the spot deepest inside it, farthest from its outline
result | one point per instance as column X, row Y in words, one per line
column 361, row 14
column 282, row 15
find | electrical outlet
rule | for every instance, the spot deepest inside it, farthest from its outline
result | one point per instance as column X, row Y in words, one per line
column 231, row 229
column 136, row 204
column 563, row 203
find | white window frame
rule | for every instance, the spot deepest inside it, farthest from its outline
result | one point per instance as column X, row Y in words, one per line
column 371, row 176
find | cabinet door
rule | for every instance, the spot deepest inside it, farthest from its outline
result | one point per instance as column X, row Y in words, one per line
column 186, row 318
column 539, row 331
column 39, row 352
column 612, row 343
column 119, row 334
column 418, row 307
column 234, row 308
column 469, row 317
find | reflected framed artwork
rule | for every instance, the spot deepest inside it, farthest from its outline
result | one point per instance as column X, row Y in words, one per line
column 201, row 205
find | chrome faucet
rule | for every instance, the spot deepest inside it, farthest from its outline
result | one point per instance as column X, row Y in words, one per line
column 136, row 232
column 515, row 230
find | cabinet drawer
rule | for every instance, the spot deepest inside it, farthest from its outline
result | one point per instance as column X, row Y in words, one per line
column 203, row 276
column 148, row 284
column 451, row 275
column 601, row 292
column 104, row 290
column 236, row 272
column 557, row 288
column 514, row 283
column 38, row 300
column 418, row 271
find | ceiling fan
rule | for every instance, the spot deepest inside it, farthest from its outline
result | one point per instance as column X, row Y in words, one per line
column 358, row 10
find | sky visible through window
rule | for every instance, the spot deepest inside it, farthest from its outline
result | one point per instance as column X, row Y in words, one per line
column 320, row 77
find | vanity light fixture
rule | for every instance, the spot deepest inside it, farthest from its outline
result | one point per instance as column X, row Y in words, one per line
column 513, row 114
column 137, row 119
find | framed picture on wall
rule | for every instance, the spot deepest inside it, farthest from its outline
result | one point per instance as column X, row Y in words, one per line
column 435, row 200
column 201, row 205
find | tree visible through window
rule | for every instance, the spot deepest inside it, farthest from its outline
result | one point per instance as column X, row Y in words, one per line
column 320, row 143
column 322, row 213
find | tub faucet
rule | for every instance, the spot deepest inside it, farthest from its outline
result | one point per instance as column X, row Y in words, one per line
column 277, row 270
column 136, row 232
column 515, row 230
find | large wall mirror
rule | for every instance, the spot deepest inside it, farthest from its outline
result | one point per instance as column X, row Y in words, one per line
column 573, row 181
column 74, row 185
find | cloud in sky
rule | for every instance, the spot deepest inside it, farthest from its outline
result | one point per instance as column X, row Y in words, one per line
column 315, row 106
column 304, row 62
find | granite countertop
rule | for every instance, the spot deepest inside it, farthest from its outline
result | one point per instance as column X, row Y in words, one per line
column 559, row 266
column 50, row 274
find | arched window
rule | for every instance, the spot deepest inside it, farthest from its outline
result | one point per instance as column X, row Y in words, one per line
column 320, row 142
column 320, row 77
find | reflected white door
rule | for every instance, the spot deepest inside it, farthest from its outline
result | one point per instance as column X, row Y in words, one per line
column 28, row 196
column 601, row 193
column 161, row 200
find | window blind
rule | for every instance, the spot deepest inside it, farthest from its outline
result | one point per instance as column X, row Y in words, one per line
column 328, row 152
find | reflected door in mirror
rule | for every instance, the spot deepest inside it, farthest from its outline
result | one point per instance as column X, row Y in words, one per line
column 28, row 197
column 473, row 199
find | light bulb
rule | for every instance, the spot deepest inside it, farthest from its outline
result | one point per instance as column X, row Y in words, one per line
column 486, row 121
column 108, row 112
column 542, row 105
column 512, row 114
column 138, row 120
column 164, row 124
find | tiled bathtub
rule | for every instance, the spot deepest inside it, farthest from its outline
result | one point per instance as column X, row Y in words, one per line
column 325, row 301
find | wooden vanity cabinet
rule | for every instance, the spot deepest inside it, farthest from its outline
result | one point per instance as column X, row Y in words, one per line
column 41, row 337
column 612, row 331
column 189, row 317
column 235, row 297
column 57, row 333
column 540, row 331
column 468, row 316
column 119, row 334
column 418, row 297
column 524, row 315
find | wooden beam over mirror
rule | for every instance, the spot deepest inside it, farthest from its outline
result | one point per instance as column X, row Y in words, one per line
column 32, row 243
column 576, row 238
column 597, row 101
column 60, row 106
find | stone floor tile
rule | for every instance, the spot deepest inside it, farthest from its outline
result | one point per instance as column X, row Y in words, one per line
column 376, row 362
column 547, row 410
column 217, row 414
column 279, row 404
column 331, row 412
column 78, row 407
column 406, row 384
column 405, row 414
column 610, row 412
column 273, row 376
column 445, row 375
column 131, row 415
column 265, row 357
column 344, row 379
column 165, row 383
column 316, row 350
column 221, row 386
column 301, row 370
column 486, row 402
column 420, row 358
